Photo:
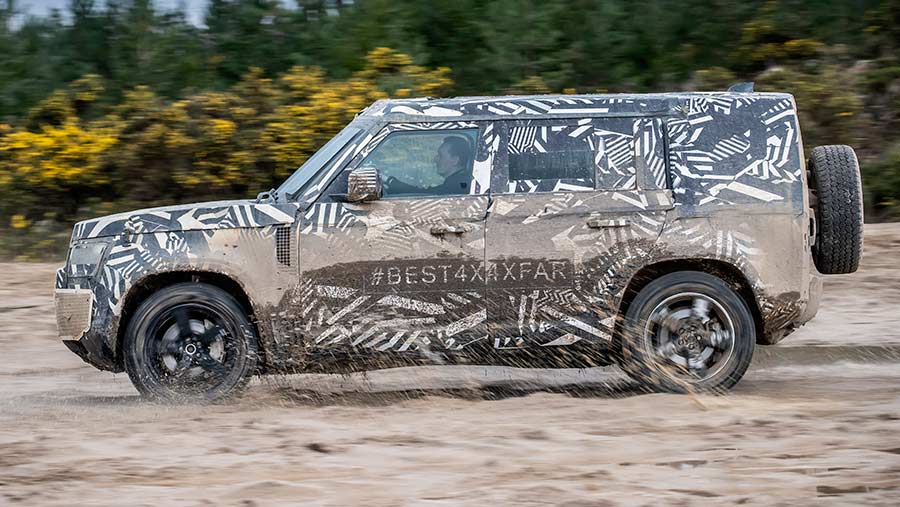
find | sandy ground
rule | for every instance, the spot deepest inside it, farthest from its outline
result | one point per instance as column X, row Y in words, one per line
column 816, row 421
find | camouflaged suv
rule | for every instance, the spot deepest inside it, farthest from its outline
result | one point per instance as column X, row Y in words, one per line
column 668, row 233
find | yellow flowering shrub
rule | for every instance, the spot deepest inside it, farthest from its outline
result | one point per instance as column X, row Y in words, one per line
column 65, row 160
column 57, row 157
column 530, row 85
column 381, row 60
column 54, row 110
column 763, row 40
column 315, row 109
column 301, row 82
column 19, row 222
column 87, row 89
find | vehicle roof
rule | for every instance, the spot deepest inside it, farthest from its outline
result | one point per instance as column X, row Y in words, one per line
column 531, row 106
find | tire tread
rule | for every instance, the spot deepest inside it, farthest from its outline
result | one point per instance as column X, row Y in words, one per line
column 836, row 181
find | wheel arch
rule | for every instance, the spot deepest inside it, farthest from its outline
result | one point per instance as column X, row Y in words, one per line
column 724, row 270
column 149, row 284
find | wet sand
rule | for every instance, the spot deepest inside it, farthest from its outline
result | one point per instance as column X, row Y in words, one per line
column 816, row 421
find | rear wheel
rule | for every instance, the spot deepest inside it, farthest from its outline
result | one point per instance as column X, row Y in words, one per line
column 190, row 342
column 688, row 331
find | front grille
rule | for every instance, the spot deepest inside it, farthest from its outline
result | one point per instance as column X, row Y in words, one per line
column 73, row 312
column 283, row 245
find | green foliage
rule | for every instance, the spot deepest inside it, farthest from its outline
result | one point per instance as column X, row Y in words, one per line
column 119, row 104
column 714, row 78
column 881, row 185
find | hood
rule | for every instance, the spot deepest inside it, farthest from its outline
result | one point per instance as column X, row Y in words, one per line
column 188, row 217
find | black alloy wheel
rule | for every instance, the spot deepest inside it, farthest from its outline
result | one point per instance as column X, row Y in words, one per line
column 190, row 342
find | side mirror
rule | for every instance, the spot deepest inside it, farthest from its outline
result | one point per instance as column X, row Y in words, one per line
column 363, row 184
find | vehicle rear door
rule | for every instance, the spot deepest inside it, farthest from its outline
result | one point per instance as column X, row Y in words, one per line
column 572, row 198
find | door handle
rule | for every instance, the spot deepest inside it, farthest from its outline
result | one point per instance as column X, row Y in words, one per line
column 440, row 230
column 597, row 223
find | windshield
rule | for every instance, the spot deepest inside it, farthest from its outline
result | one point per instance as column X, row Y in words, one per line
column 312, row 165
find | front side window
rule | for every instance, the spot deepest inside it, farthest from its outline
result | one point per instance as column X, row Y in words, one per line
column 425, row 163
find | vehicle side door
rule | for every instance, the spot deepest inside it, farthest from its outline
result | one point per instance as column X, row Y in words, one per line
column 572, row 199
column 403, row 274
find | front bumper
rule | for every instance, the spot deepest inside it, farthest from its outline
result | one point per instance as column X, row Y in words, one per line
column 73, row 312
column 74, row 316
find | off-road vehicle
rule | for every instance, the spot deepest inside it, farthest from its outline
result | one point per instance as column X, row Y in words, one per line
column 669, row 233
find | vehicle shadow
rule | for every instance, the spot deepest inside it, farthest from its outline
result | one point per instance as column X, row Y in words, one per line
column 388, row 387
column 300, row 396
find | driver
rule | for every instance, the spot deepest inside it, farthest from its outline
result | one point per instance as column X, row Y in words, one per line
column 452, row 161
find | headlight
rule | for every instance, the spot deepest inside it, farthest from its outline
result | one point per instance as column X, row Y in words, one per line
column 84, row 258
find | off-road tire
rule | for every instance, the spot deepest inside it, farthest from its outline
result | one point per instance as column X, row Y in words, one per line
column 244, row 345
column 636, row 358
column 838, row 204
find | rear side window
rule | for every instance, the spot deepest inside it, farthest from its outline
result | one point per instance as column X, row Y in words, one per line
column 586, row 154
column 547, row 156
column 533, row 156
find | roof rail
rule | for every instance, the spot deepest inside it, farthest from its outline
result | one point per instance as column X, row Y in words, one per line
column 746, row 87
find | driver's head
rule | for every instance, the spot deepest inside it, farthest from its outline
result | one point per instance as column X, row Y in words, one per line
column 453, row 155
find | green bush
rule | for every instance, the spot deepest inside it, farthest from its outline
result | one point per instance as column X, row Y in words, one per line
column 881, row 185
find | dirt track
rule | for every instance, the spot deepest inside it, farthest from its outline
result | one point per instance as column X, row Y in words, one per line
column 816, row 421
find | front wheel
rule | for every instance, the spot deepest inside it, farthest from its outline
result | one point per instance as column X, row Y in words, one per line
column 190, row 341
column 688, row 331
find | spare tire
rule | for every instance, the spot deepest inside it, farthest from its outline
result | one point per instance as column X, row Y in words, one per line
column 837, row 201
